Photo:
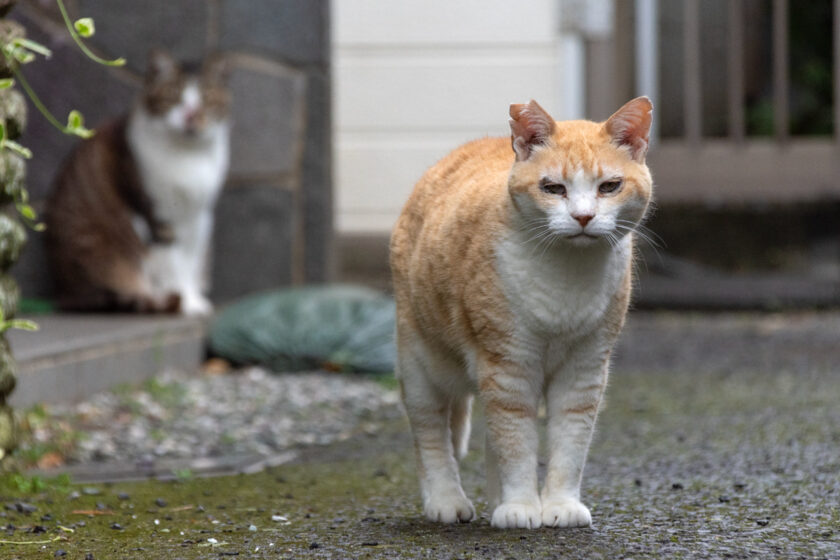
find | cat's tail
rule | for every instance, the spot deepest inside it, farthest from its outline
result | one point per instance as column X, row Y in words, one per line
column 460, row 413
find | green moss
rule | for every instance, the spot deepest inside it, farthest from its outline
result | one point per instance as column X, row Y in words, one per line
column 753, row 456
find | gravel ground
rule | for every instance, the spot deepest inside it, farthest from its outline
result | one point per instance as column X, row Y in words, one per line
column 719, row 439
column 247, row 412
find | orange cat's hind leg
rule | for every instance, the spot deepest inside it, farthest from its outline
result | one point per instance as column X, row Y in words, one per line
column 428, row 410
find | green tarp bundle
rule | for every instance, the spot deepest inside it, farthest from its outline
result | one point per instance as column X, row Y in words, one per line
column 345, row 328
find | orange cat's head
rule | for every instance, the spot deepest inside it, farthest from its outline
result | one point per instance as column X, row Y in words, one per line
column 582, row 181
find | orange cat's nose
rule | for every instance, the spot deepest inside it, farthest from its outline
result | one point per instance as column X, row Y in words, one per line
column 583, row 219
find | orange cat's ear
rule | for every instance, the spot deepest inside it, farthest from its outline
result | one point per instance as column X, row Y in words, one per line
column 530, row 126
column 630, row 126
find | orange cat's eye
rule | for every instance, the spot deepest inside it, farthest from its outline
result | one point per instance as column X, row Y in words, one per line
column 554, row 188
column 609, row 187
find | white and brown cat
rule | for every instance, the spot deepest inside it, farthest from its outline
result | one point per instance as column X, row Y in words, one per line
column 130, row 218
column 512, row 275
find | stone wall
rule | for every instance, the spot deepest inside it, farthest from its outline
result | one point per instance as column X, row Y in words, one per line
column 274, row 218
column 12, row 232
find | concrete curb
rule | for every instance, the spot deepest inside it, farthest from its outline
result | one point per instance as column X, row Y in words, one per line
column 72, row 356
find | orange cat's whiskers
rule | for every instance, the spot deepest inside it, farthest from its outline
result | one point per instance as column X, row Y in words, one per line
column 650, row 237
column 612, row 239
column 645, row 233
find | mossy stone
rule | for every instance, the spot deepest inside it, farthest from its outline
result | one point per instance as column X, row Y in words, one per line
column 8, row 430
column 9, row 31
column 8, row 370
column 9, row 295
column 13, row 112
column 12, row 176
column 12, row 240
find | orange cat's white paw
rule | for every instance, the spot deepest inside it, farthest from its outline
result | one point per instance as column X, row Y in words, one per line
column 512, row 515
column 566, row 513
column 449, row 509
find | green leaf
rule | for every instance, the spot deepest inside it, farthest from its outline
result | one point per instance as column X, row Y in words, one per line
column 22, row 151
column 78, row 39
column 33, row 46
column 75, row 120
column 76, row 125
column 84, row 27
column 2, row 135
column 26, row 211
column 23, row 324
column 81, row 132
column 22, row 55
column 7, row 83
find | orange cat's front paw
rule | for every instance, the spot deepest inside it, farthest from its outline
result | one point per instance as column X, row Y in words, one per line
column 449, row 509
column 516, row 516
column 566, row 513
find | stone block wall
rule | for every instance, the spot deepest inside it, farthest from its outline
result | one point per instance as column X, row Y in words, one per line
column 274, row 218
column 12, row 232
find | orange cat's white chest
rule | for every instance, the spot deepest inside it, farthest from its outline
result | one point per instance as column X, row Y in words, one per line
column 559, row 290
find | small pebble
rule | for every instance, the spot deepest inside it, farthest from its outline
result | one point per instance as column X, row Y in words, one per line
column 677, row 486
column 314, row 545
column 91, row 491
column 252, row 528
column 60, row 552
column 116, row 526
column 123, row 496
column 89, row 556
column 21, row 507
column 724, row 498
column 160, row 502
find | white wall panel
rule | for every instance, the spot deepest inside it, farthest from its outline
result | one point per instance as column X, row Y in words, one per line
column 444, row 91
column 434, row 22
column 413, row 79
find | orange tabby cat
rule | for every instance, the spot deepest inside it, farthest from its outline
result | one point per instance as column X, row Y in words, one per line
column 512, row 275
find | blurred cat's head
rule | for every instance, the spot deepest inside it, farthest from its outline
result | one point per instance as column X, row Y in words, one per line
column 190, row 100
column 581, row 181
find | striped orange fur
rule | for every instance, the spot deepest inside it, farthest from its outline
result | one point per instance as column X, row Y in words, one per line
column 511, row 265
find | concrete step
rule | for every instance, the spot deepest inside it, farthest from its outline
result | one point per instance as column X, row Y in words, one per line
column 72, row 356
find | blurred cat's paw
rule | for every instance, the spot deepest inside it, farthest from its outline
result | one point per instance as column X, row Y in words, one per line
column 449, row 508
column 511, row 515
column 196, row 305
column 567, row 512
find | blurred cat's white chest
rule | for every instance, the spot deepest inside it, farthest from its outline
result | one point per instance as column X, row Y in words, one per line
column 182, row 178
